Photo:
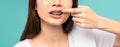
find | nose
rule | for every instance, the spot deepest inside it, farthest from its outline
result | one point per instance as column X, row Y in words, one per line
column 57, row 3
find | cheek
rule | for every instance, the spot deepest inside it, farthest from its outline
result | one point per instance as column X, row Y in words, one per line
column 40, row 4
column 67, row 3
column 41, row 8
column 47, row 2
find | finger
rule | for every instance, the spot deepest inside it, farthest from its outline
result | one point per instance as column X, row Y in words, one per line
column 80, row 15
column 78, row 20
column 89, row 26
column 87, row 9
column 73, row 10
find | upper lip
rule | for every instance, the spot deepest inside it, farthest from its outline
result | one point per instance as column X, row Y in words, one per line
column 56, row 11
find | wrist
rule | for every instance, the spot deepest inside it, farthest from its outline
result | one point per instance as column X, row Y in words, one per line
column 108, row 25
column 102, row 23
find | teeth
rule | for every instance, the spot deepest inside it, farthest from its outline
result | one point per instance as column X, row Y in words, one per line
column 56, row 13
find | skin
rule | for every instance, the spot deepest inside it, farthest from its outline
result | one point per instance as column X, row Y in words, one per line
column 43, row 8
column 85, row 17
column 52, row 34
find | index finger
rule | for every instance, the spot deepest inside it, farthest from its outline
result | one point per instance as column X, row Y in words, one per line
column 71, row 10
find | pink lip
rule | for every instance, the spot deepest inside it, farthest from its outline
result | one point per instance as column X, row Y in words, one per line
column 55, row 16
column 56, row 11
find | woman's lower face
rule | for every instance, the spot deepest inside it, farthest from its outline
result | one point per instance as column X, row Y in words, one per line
column 50, row 11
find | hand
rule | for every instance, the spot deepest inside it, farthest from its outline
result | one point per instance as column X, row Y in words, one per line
column 85, row 17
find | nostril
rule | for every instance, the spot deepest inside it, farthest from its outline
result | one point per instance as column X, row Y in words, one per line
column 57, row 5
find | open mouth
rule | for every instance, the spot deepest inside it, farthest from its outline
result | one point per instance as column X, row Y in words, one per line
column 56, row 12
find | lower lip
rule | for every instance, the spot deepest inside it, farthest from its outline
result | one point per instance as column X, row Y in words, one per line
column 56, row 16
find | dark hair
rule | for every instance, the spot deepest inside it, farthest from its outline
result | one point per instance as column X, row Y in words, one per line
column 33, row 25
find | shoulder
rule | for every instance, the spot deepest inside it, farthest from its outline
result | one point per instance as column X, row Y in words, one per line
column 92, row 32
column 102, row 33
column 79, row 36
column 92, row 36
column 103, row 38
column 24, row 43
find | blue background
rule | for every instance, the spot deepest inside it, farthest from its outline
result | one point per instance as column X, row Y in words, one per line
column 13, row 16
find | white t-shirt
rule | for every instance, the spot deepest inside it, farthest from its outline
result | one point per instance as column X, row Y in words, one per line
column 80, row 37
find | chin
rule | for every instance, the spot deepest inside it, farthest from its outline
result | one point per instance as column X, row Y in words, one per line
column 56, row 23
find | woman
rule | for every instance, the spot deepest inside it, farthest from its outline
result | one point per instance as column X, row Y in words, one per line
column 50, row 24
